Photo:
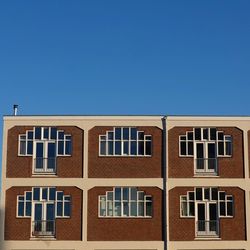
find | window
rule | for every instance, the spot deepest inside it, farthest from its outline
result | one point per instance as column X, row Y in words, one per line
column 125, row 141
column 44, row 197
column 45, row 134
column 187, row 142
column 125, row 202
column 222, row 202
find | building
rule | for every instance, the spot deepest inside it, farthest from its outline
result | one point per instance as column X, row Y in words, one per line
column 125, row 182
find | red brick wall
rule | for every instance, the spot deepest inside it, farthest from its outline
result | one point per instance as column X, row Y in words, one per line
column 183, row 167
column 183, row 229
column 67, row 166
column 20, row 228
column 124, row 229
column 125, row 167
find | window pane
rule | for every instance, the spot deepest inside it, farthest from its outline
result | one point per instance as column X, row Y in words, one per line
column 37, row 132
column 133, row 134
column 141, row 196
column 20, row 208
column 125, row 193
column 184, row 208
column 117, row 211
column 118, row 148
column 148, row 147
column 52, row 194
column 110, row 208
column 59, row 209
column 133, row 148
column 141, row 148
column 213, row 134
column 125, row 133
column 125, row 148
column 214, row 194
column 207, row 193
column 66, row 208
column 125, row 209
column 36, row 194
column 30, row 135
column 191, row 196
column 140, row 135
column 30, row 147
column 205, row 133
column 222, row 209
column 117, row 193
column 53, row 132
column 220, row 136
column 46, row 133
column 28, row 196
column 190, row 148
column 51, row 150
column 59, row 196
column 110, row 135
column 133, row 194
column 22, row 148
column 103, row 147
column 110, row 196
column 183, row 148
column 190, row 136
column 197, row 132
column 110, row 148
column 133, row 208
column 28, row 208
column 148, row 208
column 229, row 208
column 102, row 206
column 228, row 148
column 222, row 195
column 68, row 147
column 191, row 208
column 199, row 194
column 118, row 133
column 60, row 147
column 44, row 193
column 140, row 208
column 60, row 135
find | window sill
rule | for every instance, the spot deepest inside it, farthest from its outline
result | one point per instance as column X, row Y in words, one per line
column 207, row 238
column 33, row 238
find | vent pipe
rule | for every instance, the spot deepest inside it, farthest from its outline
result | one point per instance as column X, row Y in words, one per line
column 15, row 108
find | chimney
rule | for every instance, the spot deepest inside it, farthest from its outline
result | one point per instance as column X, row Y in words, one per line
column 15, row 108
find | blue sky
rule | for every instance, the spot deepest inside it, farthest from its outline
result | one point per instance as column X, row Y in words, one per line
column 125, row 57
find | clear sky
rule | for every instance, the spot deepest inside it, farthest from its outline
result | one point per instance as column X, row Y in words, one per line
column 125, row 57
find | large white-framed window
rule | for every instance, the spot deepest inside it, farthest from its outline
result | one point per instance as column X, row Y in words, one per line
column 125, row 141
column 125, row 202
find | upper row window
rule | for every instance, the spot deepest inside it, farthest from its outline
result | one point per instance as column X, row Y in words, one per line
column 125, row 141
column 223, row 143
column 59, row 142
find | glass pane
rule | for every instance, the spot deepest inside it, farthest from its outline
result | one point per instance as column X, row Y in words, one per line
column 53, row 132
column 37, row 132
column 133, row 208
column 205, row 133
column 140, row 208
column 148, row 208
column 133, row 148
column 28, row 196
column 133, row 195
column 125, row 193
column 46, row 133
column 190, row 148
column 39, row 150
column 103, row 147
column 229, row 208
column 213, row 212
column 125, row 133
column 60, row 147
column 214, row 194
column 60, row 135
column 183, row 148
column 141, row 196
column 110, row 148
column 213, row 134
column 59, row 196
column 191, row 208
column 141, row 148
column 102, row 206
column 184, row 211
column 118, row 148
column 28, row 208
column 191, row 196
column 20, row 208
column 118, row 194
column 197, row 132
column 148, row 147
column 38, row 212
column 190, row 136
column 228, row 148
column 51, row 150
column 36, row 194
column 66, row 208
column 30, row 147
column 50, row 212
column 140, row 135
column 222, row 195
column 22, row 148
column 220, row 136
column 59, row 209
column 133, row 135
column 45, row 193
column 199, row 194
column 110, row 196
column 110, row 135
column 222, row 209
column 118, row 133
column 52, row 194
column 30, row 135
column 125, row 148
column 110, row 208
column 200, row 151
column 117, row 209
column 125, row 208
column 207, row 193
column 68, row 147
column 211, row 151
